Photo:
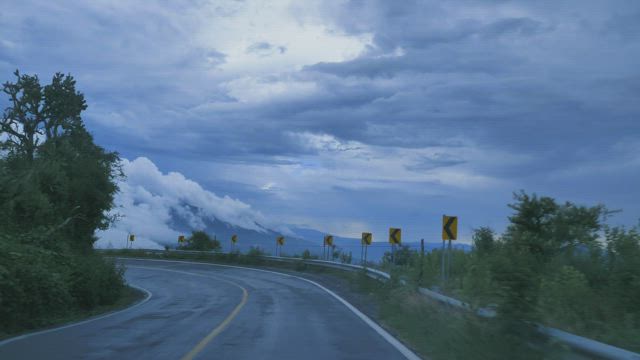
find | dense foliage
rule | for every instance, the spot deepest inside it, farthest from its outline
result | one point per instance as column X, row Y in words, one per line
column 200, row 240
column 56, row 186
column 558, row 264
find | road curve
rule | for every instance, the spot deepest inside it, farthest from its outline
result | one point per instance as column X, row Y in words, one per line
column 215, row 312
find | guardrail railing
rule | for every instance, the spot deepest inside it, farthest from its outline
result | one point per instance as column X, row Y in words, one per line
column 578, row 343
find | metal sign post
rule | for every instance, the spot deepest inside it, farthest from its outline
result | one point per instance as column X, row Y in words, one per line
column 367, row 238
column 395, row 238
column 279, row 243
column 449, row 262
column 449, row 232
column 328, row 241
column 365, row 255
column 421, row 260
column 442, row 262
column 234, row 240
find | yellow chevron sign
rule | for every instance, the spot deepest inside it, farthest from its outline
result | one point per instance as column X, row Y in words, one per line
column 328, row 240
column 395, row 236
column 234, row 238
column 280, row 240
column 449, row 227
column 367, row 238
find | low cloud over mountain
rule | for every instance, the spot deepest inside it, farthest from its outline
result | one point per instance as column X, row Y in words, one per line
column 158, row 207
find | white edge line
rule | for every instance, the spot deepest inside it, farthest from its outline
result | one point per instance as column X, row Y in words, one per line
column 382, row 332
column 28, row 335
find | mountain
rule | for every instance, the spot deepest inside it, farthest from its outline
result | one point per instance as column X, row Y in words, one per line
column 260, row 236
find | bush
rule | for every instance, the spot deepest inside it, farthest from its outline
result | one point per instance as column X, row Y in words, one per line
column 345, row 258
column 564, row 298
column 401, row 257
column 95, row 281
column 39, row 286
column 200, row 240
column 33, row 287
column 306, row 254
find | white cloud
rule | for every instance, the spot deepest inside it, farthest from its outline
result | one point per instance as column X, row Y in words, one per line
column 147, row 197
column 355, row 165
column 307, row 39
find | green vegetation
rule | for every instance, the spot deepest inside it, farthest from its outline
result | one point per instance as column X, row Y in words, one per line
column 56, row 186
column 439, row 332
column 556, row 264
column 200, row 240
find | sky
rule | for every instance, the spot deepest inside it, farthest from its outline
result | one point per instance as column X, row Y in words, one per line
column 351, row 116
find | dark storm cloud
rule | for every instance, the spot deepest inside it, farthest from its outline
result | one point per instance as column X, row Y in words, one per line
column 540, row 95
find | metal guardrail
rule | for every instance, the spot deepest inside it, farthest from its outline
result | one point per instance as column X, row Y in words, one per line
column 581, row 344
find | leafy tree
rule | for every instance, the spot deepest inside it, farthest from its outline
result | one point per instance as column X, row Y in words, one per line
column 200, row 240
column 623, row 262
column 484, row 240
column 306, row 254
column 544, row 228
column 55, row 181
column 56, row 185
column 37, row 112
column 540, row 231
column 402, row 256
column 345, row 258
column 565, row 297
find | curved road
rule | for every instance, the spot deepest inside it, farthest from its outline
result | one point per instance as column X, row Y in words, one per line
column 216, row 312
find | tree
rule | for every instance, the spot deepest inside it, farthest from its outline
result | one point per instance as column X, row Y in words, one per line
column 544, row 228
column 541, row 231
column 36, row 112
column 483, row 240
column 623, row 262
column 56, row 187
column 200, row 240
column 401, row 256
column 55, row 182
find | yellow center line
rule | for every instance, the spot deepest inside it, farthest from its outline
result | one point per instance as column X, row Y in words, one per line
column 215, row 332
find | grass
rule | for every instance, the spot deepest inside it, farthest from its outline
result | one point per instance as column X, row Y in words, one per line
column 129, row 297
column 440, row 332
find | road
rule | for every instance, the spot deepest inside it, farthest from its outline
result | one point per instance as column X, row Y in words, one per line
column 214, row 312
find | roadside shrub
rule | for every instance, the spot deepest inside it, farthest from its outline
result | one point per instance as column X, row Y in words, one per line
column 564, row 298
column 39, row 286
column 200, row 240
column 255, row 252
column 401, row 257
column 345, row 258
column 33, row 288
column 95, row 281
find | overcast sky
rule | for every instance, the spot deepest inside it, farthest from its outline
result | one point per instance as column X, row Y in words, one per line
column 350, row 116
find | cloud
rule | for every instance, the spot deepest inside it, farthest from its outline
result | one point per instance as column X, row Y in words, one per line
column 149, row 198
column 306, row 109
column 264, row 48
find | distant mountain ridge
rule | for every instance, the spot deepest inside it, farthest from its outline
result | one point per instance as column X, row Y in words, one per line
column 265, row 239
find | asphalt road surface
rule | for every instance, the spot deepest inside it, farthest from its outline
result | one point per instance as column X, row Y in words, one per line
column 214, row 312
